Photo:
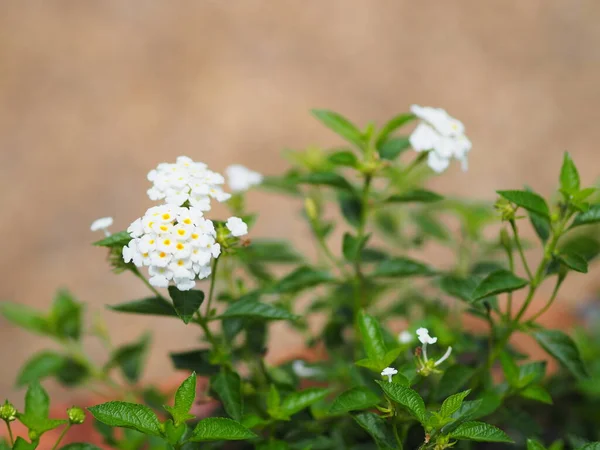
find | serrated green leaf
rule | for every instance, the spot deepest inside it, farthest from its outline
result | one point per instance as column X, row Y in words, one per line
column 405, row 397
column 184, row 400
column 591, row 216
column 402, row 267
column 532, row 444
column 393, row 147
column 297, row 401
column 186, row 303
column 340, row 125
column 120, row 239
column 228, row 387
column 415, row 196
column 569, row 176
column 354, row 399
column 453, row 403
column 498, row 282
column 251, row 308
column 220, row 429
column 127, row 415
column 377, row 428
column 302, row 278
column 527, row 200
column 479, row 432
column 40, row 366
column 153, row 306
column 538, row 393
column 372, row 337
column 130, row 358
column 25, row 317
column 562, row 347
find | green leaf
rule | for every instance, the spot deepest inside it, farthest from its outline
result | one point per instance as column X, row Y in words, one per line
column 343, row 158
column 416, row 195
column 354, row 399
column 532, row 444
column 402, row 267
column 510, row 369
column 37, row 408
column 372, row 337
column 252, row 308
column 480, row 432
column 352, row 246
column 220, row 429
column 569, row 176
column 118, row 240
column 40, row 366
column 498, row 282
column 394, row 124
column 527, row 200
column 538, row 393
column 331, row 179
column 25, row 317
column 228, row 387
column 302, row 278
column 270, row 251
column 297, row 401
column 588, row 217
column 340, row 125
column 127, row 415
column 130, row 358
column 184, row 400
column 541, row 225
column 454, row 379
column 194, row 361
column 273, row 401
column 80, row 446
column 590, row 446
column 377, row 428
column 453, row 403
column 405, row 397
column 22, row 444
column 153, row 306
column 66, row 316
column 351, row 207
column 574, row 261
column 186, row 303
column 393, row 147
column 562, row 347
column 461, row 288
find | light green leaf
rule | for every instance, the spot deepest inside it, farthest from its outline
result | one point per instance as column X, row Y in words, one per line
column 590, row 446
column 538, row 393
column 453, row 403
column 80, row 446
column 340, row 125
column 541, row 225
column 220, row 429
column 297, row 401
column 25, row 317
column 394, row 124
column 402, row 267
column 40, row 366
column 254, row 309
column 378, row 429
column 127, row 415
column 527, row 200
column 562, row 347
column 416, row 196
column 153, row 306
column 569, row 176
column 273, row 401
column 393, row 147
column 498, row 282
column 372, row 337
column 228, row 387
column 405, row 397
column 184, row 400
column 343, row 158
column 37, row 407
column 302, row 278
column 354, row 399
column 186, row 303
column 510, row 369
column 480, row 432
column 588, row 217
column 119, row 240
column 22, row 444
column 532, row 444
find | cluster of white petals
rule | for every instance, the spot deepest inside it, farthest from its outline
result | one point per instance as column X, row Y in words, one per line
column 440, row 134
column 186, row 182
column 240, row 178
column 175, row 243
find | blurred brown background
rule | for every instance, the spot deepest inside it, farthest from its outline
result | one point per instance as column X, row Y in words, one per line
column 94, row 94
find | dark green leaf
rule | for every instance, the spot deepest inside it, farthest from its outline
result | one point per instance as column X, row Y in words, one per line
column 186, row 303
column 528, row 200
column 590, row 446
column 25, row 317
column 297, row 401
column 270, row 251
column 453, row 403
column 417, row 195
column 454, row 379
column 498, row 282
column 154, row 306
column 562, row 347
column 377, row 428
column 194, row 360
column 402, row 267
column 541, row 225
column 532, row 444
column 80, row 446
column 252, row 308
column 351, row 207
column 66, row 316
column 331, row 179
column 302, row 278
column 127, row 415
column 340, row 125
column 394, row 124
column 352, row 246
column 72, row 373
column 184, row 400
column 354, row 399
column 510, row 369
column 393, row 147
column 228, row 387
column 40, row 366
column 372, row 338
column 461, row 288
column 22, row 444
column 120, row 239
column 569, row 176
column 574, row 261
column 480, row 432
column 343, row 158
column 405, row 397
column 588, row 217
column 130, row 358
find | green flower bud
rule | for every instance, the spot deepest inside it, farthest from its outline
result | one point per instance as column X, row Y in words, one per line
column 311, row 208
column 506, row 209
column 8, row 412
column 76, row 415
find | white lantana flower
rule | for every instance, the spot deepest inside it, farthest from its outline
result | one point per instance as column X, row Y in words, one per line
column 427, row 366
column 177, row 245
column 405, row 337
column 441, row 135
column 240, row 178
column 237, row 226
column 102, row 224
column 389, row 372
column 186, row 181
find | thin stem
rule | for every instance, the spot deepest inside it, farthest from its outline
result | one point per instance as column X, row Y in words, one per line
column 10, row 433
column 62, row 435
column 138, row 274
column 550, row 301
column 511, row 266
column 513, row 225
column 396, row 435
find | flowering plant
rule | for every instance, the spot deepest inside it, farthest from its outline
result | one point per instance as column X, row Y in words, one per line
column 395, row 359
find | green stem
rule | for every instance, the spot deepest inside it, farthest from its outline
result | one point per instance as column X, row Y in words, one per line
column 138, row 274
column 513, row 225
column 10, row 433
column 62, row 435
column 396, row 435
column 511, row 266
column 550, row 301
column 213, row 282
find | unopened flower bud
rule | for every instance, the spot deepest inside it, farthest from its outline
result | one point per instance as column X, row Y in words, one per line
column 76, row 415
column 8, row 412
column 506, row 209
column 311, row 209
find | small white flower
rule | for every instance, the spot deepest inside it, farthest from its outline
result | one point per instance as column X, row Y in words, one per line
column 405, row 337
column 389, row 372
column 102, row 224
column 236, row 226
column 424, row 337
column 441, row 135
column 240, row 178
column 443, row 358
column 302, row 370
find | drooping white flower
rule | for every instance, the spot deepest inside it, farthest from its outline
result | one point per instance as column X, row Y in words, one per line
column 186, row 181
column 236, row 226
column 102, row 224
column 389, row 372
column 424, row 337
column 405, row 337
column 302, row 370
column 441, row 135
column 240, row 178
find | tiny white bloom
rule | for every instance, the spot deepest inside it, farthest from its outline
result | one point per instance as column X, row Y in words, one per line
column 302, row 370
column 102, row 224
column 236, row 226
column 240, row 178
column 405, row 337
column 424, row 337
column 389, row 372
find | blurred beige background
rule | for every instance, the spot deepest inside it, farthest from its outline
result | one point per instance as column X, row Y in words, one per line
column 94, row 94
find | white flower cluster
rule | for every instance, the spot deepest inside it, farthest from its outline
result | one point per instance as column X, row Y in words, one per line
column 440, row 134
column 186, row 181
column 425, row 339
column 240, row 178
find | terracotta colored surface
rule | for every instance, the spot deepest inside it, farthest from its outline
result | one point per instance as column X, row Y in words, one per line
column 94, row 94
